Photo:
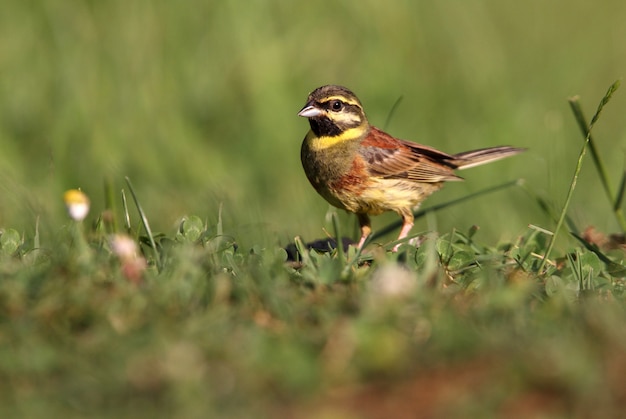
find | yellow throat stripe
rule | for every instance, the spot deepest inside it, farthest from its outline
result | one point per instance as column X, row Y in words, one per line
column 320, row 143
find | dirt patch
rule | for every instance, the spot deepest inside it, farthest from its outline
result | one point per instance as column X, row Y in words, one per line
column 438, row 392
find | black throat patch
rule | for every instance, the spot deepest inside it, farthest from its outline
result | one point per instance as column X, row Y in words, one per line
column 324, row 127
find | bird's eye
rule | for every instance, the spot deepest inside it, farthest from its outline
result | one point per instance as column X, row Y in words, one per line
column 336, row 105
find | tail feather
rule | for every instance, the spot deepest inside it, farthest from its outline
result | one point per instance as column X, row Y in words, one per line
column 485, row 155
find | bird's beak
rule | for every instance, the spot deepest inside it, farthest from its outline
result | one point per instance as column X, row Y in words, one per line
column 309, row 111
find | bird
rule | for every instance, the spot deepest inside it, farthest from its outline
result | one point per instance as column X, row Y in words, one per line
column 363, row 170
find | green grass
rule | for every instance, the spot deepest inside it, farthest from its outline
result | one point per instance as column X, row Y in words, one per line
column 511, row 306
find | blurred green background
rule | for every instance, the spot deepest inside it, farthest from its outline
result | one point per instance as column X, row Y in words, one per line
column 196, row 102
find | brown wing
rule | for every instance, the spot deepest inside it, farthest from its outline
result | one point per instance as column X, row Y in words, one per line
column 392, row 158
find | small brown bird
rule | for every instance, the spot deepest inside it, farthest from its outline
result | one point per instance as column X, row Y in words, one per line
column 359, row 168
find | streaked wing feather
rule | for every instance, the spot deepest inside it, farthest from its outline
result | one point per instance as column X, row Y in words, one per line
column 432, row 173
column 392, row 158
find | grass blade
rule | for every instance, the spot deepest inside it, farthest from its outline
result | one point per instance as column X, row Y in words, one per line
column 392, row 111
column 339, row 243
column 545, row 207
column 220, row 226
column 146, row 225
column 579, row 164
column 110, row 222
column 37, row 238
column 303, row 252
column 126, row 213
column 592, row 247
column 617, row 206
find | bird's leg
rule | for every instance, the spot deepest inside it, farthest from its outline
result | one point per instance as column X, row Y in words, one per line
column 366, row 228
column 407, row 225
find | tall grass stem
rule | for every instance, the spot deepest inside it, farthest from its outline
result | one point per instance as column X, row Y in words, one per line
column 579, row 165
column 614, row 199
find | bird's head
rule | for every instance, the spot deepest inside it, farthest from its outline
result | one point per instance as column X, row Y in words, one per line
column 332, row 110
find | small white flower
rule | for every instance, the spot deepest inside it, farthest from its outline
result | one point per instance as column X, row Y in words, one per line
column 77, row 204
column 126, row 249
column 392, row 281
column 123, row 247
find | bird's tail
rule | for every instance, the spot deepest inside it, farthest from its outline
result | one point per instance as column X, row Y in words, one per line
column 484, row 155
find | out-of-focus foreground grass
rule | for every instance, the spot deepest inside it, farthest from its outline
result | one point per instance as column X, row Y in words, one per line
column 197, row 102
